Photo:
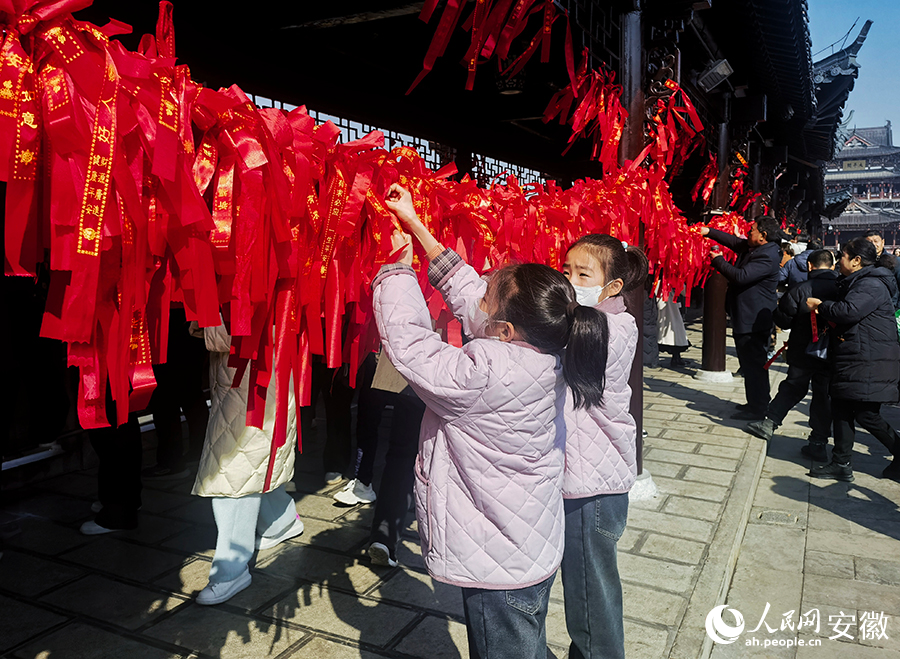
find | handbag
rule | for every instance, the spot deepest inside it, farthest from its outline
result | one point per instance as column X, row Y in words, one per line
column 818, row 346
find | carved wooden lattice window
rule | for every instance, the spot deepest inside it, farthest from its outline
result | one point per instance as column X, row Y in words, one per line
column 596, row 26
column 436, row 155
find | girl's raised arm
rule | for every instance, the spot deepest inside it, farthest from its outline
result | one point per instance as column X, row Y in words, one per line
column 458, row 282
column 448, row 379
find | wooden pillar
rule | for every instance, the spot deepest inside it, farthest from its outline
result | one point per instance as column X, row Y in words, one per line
column 714, row 321
column 632, row 76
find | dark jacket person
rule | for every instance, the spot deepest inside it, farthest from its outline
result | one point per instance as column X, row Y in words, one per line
column 803, row 368
column 864, row 355
column 750, row 300
column 874, row 236
column 795, row 271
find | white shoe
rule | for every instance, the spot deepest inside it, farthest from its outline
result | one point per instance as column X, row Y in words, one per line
column 332, row 477
column 216, row 593
column 292, row 531
column 355, row 492
column 379, row 555
column 92, row 528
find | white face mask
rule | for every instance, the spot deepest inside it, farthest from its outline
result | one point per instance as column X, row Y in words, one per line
column 478, row 321
column 588, row 296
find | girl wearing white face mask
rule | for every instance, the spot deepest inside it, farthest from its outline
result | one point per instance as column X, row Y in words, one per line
column 601, row 453
column 491, row 456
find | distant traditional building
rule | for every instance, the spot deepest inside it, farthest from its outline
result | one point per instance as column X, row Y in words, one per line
column 865, row 175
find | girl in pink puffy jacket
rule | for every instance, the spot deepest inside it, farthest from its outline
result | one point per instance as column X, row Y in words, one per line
column 600, row 453
column 491, row 450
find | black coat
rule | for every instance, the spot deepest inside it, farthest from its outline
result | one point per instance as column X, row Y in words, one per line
column 863, row 351
column 752, row 281
column 793, row 314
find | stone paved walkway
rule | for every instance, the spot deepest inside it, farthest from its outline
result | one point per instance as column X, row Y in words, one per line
column 820, row 546
column 130, row 595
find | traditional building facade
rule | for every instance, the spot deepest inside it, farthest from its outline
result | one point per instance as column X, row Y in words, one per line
column 867, row 169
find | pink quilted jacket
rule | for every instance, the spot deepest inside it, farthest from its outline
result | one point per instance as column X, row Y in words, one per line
column 490, row 463
column 600, row 441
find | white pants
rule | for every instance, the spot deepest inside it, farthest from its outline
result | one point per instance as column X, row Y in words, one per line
column 239, row 521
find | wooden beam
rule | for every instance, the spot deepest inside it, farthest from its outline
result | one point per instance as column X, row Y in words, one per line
column 365, row 17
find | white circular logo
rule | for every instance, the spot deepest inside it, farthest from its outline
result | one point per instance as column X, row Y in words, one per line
column 718, row 630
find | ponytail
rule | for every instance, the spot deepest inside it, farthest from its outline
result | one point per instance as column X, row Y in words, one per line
column 540, row 303
column 584, row 363
column 637, row 270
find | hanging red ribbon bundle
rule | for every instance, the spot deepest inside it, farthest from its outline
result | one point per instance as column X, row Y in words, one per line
column 148, row 189
column 493, row 25
column 675, row 129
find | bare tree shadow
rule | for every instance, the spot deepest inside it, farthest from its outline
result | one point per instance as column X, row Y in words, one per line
column 341, row 593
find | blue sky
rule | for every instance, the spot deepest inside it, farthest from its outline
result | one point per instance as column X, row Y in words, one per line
column 876, row 96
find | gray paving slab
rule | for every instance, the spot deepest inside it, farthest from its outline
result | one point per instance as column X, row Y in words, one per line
column 219, row 633
column 20, row 621
column 330, row 611
column 417, row 589
column 30, row 575
column 112, row 601
column 436, row 638
column 83, row 641
column 123, row 559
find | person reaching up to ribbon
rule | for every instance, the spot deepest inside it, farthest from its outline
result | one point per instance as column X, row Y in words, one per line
column 491, row 454
column 750, row 301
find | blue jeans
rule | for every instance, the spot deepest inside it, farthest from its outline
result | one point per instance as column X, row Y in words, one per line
column 590, row 574
column 507, row 624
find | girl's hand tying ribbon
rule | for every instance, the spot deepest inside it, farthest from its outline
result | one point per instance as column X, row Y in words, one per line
column 399, row 202
column 402, row 244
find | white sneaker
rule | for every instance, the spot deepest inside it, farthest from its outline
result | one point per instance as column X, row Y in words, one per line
column 295, row 529
column 355, row 492
column 379, row 555
column 332, row 477
column 92, row 528
column 216, row 593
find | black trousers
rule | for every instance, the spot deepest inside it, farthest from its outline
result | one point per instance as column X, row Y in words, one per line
column 179, row 387
column 369, row 410
column 119, row 474
column 751, row 353
column 395, row 495
column 866, row 414
column 333, row 385
column 794, row 388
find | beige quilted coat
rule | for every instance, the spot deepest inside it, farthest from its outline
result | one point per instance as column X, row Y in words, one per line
column 235, row 456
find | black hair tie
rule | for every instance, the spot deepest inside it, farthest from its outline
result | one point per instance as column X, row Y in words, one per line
column 570, row 310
